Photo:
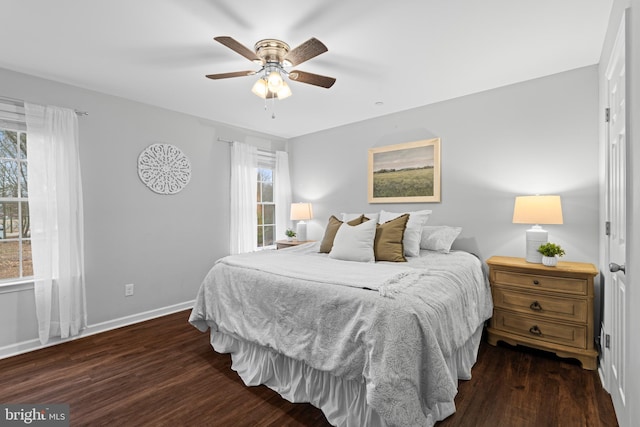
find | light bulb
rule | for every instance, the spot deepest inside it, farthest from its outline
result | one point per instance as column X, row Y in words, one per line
column 274, row 81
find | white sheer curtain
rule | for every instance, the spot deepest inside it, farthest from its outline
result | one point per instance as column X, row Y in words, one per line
column 55, row 209
column 244, row 187
column 282, row 194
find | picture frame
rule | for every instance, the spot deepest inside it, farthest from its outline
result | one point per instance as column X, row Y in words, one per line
column 405, row 173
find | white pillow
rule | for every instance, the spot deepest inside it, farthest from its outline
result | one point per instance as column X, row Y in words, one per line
column 346, row 217
column 354, row 242
column 439, row 238
column 413, row 232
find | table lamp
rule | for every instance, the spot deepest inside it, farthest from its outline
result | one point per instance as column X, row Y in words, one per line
column 536, row 210
column 301, row 212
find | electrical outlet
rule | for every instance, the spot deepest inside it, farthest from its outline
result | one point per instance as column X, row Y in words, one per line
column 128, row 290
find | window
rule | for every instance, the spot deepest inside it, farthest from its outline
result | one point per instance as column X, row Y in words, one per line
column 15, row 242
column 266, row 207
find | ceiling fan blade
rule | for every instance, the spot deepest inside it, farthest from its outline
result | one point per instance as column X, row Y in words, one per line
column 228, row 75
column 312, row 79
column 238, row 47
column 307, row 50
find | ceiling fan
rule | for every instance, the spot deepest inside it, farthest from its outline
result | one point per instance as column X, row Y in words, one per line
column 273, row 56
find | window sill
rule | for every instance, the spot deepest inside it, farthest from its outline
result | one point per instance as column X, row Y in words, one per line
column 25, row 284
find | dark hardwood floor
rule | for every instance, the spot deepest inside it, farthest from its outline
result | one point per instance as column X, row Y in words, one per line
column 163, row 372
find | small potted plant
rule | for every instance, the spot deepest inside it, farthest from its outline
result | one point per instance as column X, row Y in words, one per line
column 550, row 254
column 290, row 234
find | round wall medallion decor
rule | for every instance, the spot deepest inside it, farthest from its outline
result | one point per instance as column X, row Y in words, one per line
column 164, row 168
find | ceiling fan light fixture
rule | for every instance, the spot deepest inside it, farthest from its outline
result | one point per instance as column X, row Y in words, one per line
column 284, row 91
column 260, row 88
column 274, row 81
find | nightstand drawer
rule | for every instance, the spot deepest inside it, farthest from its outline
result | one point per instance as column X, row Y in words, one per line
column 563, row 285
column 541, row 305
column 542, row 330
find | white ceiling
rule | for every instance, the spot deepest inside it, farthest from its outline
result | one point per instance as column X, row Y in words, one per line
column 404, row 53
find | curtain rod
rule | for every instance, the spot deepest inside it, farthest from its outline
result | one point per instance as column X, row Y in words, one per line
column 20, row 103
column 261, row 151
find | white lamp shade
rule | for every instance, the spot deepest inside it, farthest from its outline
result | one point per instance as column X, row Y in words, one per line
column 537, row 210
column 301, row 211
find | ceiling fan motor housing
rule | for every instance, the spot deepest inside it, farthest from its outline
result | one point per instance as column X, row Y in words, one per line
column 272, row 50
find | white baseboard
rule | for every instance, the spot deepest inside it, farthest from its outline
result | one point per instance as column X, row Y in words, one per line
column 602, row 381
column 34, row 344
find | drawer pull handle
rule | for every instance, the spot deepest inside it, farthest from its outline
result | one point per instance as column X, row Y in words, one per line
column 536, row 282
column 535, row 330
column 535, row 306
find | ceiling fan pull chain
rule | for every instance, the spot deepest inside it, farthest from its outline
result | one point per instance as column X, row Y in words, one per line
column 273, row 105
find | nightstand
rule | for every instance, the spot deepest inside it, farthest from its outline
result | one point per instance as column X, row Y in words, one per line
column 548, row 308
column 281, row 244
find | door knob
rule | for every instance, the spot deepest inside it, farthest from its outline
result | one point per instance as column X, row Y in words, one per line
column 613, row 267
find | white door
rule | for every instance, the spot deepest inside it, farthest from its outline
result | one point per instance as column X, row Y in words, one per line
column 615, row 304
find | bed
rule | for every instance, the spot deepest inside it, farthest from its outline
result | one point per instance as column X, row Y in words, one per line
column 369, row 343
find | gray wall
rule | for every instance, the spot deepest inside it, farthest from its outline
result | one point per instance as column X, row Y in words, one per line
column 164, row 244
column 539, row 136
column 536, row 137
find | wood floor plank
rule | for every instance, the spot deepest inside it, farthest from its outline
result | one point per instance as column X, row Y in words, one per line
column 163, row 372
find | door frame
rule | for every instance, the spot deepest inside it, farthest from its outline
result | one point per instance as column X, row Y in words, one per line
column 605, row 366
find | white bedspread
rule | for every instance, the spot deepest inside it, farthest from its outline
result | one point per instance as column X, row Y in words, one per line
column 327, row 320
column 386, row 278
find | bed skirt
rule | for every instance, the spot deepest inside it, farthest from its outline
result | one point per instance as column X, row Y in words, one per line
column 343, row 401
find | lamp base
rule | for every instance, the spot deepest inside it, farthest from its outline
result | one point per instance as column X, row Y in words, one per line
column 536, row 236
column 301, row 232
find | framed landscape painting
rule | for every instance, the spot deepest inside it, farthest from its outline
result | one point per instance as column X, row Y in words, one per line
column 405, row 173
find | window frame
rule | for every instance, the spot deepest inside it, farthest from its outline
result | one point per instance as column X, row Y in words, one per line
column 267, row 160
column 12, row 120
column 260, row 205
